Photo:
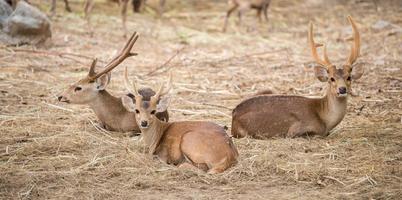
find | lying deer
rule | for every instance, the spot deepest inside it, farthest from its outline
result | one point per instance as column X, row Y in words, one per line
column 91, row 90
column 187, row 144
column 266, row 116
column 244, row 5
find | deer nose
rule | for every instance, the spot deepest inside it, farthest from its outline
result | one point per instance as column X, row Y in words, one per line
column 342, row 90
column 144, row 123
column 59, row 98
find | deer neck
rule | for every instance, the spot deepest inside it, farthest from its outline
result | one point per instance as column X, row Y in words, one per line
column 333, row 109
column 107, row 107
column 153, row 135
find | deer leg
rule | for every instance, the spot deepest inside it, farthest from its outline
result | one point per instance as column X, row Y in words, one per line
column 299, row 129
column 259, row 15
column 240, row 15
column 219, row 167
column 161, row 7
column 266, row 12
column 123, row 11
column 188, row 166
column 67, row 6
column 53, row 8
column 229, row 12
column 87, row 10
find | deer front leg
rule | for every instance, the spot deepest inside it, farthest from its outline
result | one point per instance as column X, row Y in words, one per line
column 87, row 10
column 53, row 8
column 259, row 15
column 67, row 6
column 123, row 11
column 161, row 7
column 266, row 12
column 299, row 129
column 229, row 12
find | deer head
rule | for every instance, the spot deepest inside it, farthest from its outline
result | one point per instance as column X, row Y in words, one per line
column 339, row 79
column 86, row 89
column 145, row 110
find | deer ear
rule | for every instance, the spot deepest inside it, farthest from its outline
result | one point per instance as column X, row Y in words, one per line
column 103, row 81
column 163, row 104
column 321, row 73
column 357, row 71
column 128, row 103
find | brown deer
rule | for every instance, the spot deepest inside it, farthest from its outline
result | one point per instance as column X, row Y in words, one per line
column 266, row 116
column 243, row 5
column 91, row 90
column 187, row 144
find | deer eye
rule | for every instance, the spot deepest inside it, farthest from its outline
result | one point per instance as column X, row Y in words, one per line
column 77, row 89
column 332, row 79
column 153, row 112
column 349, row 78
column 137, row 111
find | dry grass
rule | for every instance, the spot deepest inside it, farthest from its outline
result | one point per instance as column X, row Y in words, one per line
column 55, row 151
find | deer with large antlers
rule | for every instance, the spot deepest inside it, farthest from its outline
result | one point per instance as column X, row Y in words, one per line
column 243, row 5
column 187, row 144
column 267, row 116
column 91, row 90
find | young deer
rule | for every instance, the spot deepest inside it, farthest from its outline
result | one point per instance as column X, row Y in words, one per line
column 266, row 116
column 110, row 111
column 244, row 5
column 187, row 144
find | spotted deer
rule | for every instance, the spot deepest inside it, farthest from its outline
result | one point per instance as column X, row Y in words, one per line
column 186, row 144
column 243, row 5
column 267, row 116
column 91, row 90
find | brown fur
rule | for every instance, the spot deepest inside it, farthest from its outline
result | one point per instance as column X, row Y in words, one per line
column 267, row 116
column 109, row 109
column 204, row 145
column 285, row 116
column 187, row 144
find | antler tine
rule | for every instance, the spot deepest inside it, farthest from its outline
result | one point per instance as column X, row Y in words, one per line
column 92, row 68
column 355, row 47
column 163, row 91
column 314, row 46
column 326, row 58
column 124, row 53
column 133, row 90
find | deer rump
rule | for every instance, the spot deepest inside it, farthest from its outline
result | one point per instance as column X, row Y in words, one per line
column 205, row 145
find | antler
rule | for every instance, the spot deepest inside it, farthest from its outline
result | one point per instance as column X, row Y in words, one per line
column 119, row 58
column 355, row 49
column 92, row 69
column 133, row 87
column 162, row 91
column 314, row 46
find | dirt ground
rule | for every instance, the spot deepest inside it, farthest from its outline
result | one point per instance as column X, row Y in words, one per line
column 50, row 150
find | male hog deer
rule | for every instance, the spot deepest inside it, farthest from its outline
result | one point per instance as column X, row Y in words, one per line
column 110, row 111
column 266, row 116
column 187, row 144
column 244, row 5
